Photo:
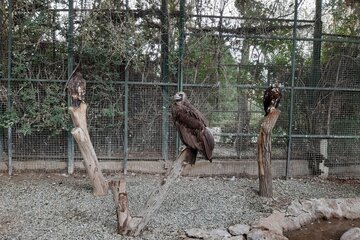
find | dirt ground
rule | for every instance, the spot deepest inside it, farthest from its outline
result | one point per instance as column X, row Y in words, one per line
column 41, row 205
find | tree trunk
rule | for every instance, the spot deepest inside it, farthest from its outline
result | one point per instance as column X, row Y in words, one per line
column 264, row 153
column 81, row 135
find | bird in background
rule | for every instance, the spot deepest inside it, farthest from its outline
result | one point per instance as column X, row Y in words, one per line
column 192, row 127
column 272, row 97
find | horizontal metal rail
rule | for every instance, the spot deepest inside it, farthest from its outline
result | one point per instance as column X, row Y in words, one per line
column 261, row 37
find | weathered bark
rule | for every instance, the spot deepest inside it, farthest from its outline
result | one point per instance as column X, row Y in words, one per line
column 158, row 195
column 91, row 163
column 118, row 188
column 264, row 153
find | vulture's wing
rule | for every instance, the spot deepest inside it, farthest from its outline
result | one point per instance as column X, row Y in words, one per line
column 187, row 136
column 193, row 116
column 209, row 143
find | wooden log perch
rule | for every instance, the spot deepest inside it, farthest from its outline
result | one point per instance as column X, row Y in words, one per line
column 127, row 225
column 158, row 195
column 264, row 153
column 91, row 163
column 118, row 188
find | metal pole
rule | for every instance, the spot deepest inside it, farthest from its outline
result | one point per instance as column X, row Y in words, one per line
column 9, row 91
column 180, row 73
column 126, row 121
column 70, row 70
column 1, row 76
column 293, row 68
column 165, row 78
column 126, row 108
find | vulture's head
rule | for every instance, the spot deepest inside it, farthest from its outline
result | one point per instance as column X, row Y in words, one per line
column 179, row 96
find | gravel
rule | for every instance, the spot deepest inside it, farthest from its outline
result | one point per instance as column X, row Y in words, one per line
column 57, row 206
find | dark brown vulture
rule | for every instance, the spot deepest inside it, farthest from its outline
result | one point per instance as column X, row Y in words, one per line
column 192, row 127
column 77, row 89
column 272, row 96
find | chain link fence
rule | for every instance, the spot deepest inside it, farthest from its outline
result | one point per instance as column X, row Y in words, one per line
column 223, row 54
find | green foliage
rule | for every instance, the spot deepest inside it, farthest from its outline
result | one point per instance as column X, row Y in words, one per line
column 9, row 119
column 38, row 108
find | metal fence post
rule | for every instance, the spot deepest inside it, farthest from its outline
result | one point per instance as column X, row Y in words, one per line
column 9, row 91
column 165, row 78
column 293, row 68
column 70, row 49
column 126, row 107
column 180, row 73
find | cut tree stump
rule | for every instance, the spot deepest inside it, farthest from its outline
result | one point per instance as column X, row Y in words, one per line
column 91, row 163
column 264, row 153
column 118, row 188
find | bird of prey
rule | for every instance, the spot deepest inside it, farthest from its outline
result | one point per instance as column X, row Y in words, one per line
column 272, row 96
column 77, row 89
column 191, row 125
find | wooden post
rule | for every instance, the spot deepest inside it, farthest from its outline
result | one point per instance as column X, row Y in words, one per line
column 264, row 153
column 91, row 163
column 118, row 188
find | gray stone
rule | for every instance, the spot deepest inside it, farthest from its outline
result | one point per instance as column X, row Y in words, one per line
column 258, row 234
column 235, row 238
column 273, row 223
column 351, row 234
column 220, row 234
column 196, row 233
column 215, row 234
column 239, row 229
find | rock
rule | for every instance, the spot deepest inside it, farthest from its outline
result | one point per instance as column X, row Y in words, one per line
column 215, row 234
column 196, row 233
column 351, row 234
column 258, row 234
column 239, row 229
column 351, row 208
column 235, row 238
column 218, row 234
column 274, row 223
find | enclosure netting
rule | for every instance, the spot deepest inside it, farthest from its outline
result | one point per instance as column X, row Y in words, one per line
column 130, row 56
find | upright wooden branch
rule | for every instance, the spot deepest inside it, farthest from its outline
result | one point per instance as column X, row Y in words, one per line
column 264, row 153
column 118, row 188
column 91, row 163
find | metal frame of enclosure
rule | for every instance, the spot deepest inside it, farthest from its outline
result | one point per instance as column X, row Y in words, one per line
column 336, row 145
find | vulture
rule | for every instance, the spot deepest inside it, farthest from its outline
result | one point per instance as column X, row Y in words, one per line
column 77, row 88
column 272, row 96
column 191, row 125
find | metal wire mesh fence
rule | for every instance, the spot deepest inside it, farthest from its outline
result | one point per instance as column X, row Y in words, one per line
column 135, row 56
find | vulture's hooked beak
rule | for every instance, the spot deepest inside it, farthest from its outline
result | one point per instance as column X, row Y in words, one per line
column 177, row 97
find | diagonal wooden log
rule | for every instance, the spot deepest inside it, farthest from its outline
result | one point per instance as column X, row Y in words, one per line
column 158, row 195
column 264, row 153
column 91, row 163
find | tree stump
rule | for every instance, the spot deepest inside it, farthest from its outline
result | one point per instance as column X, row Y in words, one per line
column 118, row 188
column 264, row 153
column 91, row 163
